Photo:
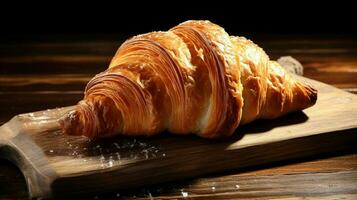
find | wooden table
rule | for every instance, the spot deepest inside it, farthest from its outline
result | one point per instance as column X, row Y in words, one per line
column 38, row 73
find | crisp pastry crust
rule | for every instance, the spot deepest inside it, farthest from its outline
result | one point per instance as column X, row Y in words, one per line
column 194, row 78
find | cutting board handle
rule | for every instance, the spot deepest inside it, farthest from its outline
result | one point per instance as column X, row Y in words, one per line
column 18, row 148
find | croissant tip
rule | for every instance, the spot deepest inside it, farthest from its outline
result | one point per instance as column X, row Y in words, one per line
column 312, row 92
column 69, row 123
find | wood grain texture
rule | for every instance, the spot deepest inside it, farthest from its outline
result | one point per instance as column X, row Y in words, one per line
column 46, row 82
column 52, row 161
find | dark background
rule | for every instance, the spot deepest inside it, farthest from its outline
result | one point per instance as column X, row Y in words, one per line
column 34, row 20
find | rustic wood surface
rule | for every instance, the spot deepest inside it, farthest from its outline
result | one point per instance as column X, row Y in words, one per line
column 51, row 161
column 51, row 72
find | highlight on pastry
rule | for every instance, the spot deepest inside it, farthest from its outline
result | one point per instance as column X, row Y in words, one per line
column 192, row 79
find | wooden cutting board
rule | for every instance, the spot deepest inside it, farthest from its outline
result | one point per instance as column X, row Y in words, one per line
column 56, row 165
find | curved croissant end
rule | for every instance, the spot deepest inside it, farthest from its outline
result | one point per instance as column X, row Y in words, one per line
column 194, row 78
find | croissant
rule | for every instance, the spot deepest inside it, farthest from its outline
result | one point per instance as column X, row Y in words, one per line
column 194, row 78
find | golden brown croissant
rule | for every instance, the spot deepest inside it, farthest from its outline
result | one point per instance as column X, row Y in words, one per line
column 194, row 78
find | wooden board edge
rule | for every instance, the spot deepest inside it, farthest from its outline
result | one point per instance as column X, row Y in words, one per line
column 256, row 155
